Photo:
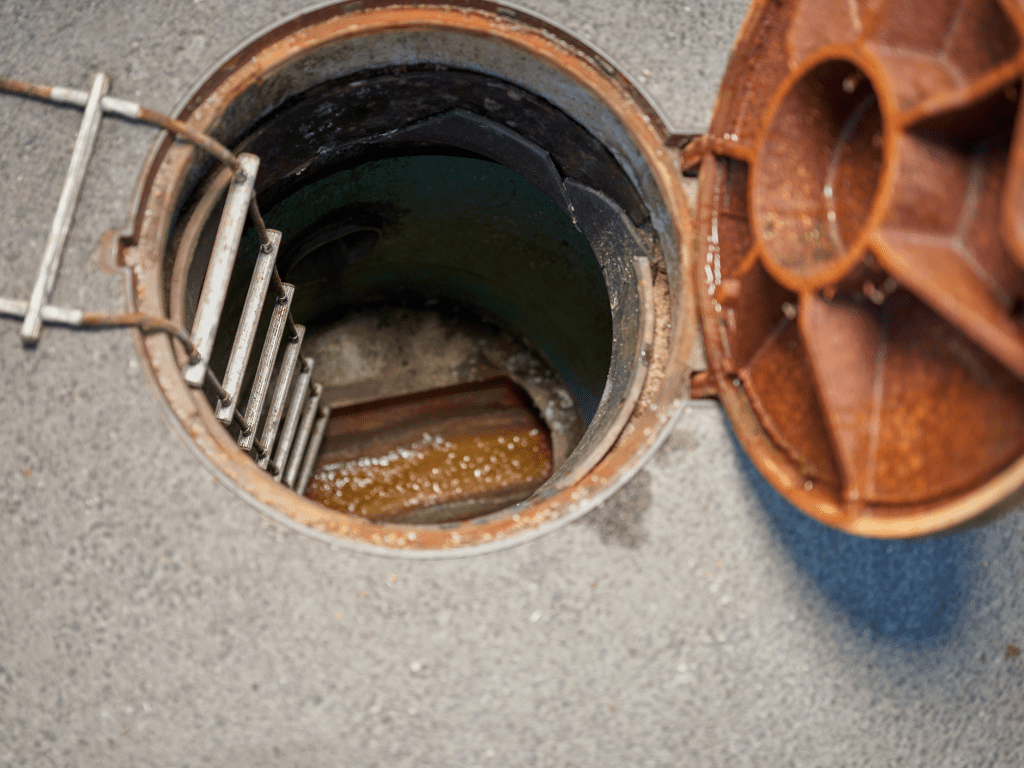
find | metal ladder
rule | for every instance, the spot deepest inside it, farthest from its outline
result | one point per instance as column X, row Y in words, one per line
column 295, row 423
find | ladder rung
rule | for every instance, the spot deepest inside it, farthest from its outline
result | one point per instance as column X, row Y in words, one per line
column 222, row 261
column 265, row 369
column 302, row 436
column 291, row 421
column 284, row 381
column 312, row 450
column 245, row 336
column 47, row 277
column 49, row 314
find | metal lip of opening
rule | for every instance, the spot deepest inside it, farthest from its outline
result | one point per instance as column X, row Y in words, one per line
column 584, row 85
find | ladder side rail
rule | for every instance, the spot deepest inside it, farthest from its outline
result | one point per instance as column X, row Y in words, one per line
column 54, row 248
column 245, row 336
column 222, row 262
column 309, row 413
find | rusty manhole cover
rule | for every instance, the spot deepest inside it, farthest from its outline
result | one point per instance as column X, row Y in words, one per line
column 860, row 257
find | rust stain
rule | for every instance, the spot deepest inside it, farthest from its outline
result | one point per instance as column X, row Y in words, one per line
column 435, row 470
column 703, row 386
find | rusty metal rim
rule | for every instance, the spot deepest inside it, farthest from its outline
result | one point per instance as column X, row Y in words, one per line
column 161, row 184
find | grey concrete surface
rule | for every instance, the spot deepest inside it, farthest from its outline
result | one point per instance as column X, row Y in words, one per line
column 148, row 617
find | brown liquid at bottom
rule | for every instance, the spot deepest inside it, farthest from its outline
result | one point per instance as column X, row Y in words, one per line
column 434, row 470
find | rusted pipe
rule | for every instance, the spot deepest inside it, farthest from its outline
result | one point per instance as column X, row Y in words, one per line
column 144, row 322
column 181, row 130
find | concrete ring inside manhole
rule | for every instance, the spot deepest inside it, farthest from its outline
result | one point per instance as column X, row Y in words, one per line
column 485, row 228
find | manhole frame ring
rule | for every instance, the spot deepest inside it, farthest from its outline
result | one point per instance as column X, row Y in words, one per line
column 190, row 415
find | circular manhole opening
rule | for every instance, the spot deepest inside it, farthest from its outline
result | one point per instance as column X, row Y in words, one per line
column 484, row 225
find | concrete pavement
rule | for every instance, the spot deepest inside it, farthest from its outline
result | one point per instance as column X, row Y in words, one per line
column 149, row 617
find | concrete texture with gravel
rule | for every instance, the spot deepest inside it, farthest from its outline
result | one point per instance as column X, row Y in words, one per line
column 149, row 617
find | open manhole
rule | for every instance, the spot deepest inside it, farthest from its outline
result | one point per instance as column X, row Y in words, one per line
column 483, row 226
column 485, row 314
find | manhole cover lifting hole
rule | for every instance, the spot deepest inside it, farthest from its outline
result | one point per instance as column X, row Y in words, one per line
column 577, row 340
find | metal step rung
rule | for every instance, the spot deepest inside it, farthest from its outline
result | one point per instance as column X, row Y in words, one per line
column 222, row 261
column 49, row 314
column 312, row 450
column 291, row 422
column 289, row 363
column 245, row 337
column 298, row 452
column 214, row 383
column 265, row 369
column 47, row 277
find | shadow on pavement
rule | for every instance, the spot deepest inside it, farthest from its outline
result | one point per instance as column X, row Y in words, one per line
column 908, row 591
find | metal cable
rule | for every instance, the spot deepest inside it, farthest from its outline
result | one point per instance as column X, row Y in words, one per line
column 144, row 322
